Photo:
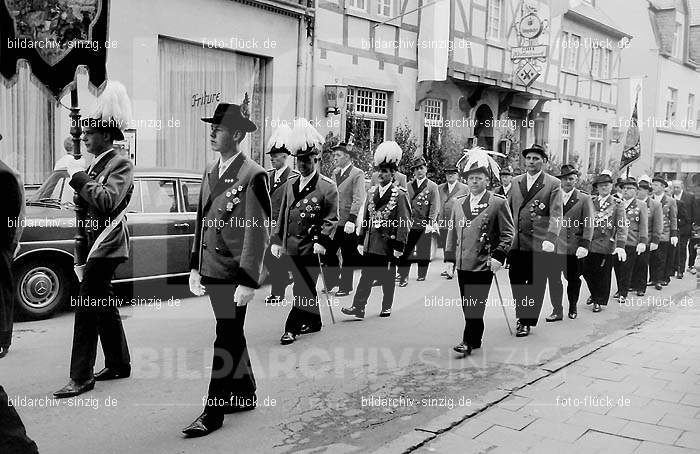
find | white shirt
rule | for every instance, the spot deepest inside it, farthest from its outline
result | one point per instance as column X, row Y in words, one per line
column 507, row 188
column 678, row 197
column 565, row 196
column 657, row 197
column 97, row 159
column 61, row 163
column 420, row 182
column 279, row 172
column 383, row 189
column 644, row 199
column 628, row 202
column 342, row 171
column 223, row 165
column 451, row 186
column 602, row 200
column 475, row 199
column 532, row 178
column 303, row 181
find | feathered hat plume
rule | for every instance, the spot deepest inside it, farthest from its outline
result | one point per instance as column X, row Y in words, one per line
column 112, row 106
column 304, row 136
column 388, row 152
column 280, row 139
column 478, row 158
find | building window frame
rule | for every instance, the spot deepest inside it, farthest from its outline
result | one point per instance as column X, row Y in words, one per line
column 384, row 8
column 595, row 62
column 494, row 19
column 606, row 58
column 567, row 126
column 596, row 147
column 574, row 42
column 677, row 45
column 357, row 5
column 373, row 111
column 433, row 120
column 671, row 103
column 691, row 109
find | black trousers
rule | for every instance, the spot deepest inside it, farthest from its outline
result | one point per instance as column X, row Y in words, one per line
column 624, row 270
column 640, row 272
column 13, row 437
column 305, row 311
column 380, row 268
column 528, row 275
column 681, row 253
column 279, row 273
column 657, row 262
column 572, row 269
column 417, row 239
column 7, row 298
column 598, row 275
column 670, row 267
column 231, row 371
column 342, row 277
column 692, row 252
column 474, row 287
column 97, row 315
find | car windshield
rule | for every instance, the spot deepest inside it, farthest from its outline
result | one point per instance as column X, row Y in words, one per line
column 55, row 189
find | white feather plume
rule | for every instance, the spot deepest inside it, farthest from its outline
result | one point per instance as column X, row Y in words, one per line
column 280, row 137
column 606, row 172
column 479, row 157
column 644, row 177
column 113, row 105
column 389, row 152
column 304, row 136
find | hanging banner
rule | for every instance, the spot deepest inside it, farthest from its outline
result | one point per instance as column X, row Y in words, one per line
column 433, row 41
column 54, row 37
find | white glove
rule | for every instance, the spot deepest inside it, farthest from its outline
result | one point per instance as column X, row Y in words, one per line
column 397, row 254
column 276, row 250
column 581, row 252
column 196, row 286
column 74, row 166
column 243, row 295
column 653, row 247
column 674, row 241
column 318, row 249
column 495, row 265
column 349, row 227
column 641, row 248
column 361, row 249
column 547, row 246
column 621, row 254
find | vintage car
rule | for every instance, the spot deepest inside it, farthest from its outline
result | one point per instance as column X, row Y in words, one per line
column 160, row 219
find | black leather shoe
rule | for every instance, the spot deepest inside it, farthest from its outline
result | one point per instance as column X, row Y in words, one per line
column 665, row 283
column 449, row 276
column 343, row 292
column 420, row 278
column 237, row 404
column 650, row 284
column 385, row 313
column 273, row 299
column 679, row 276
column 589, row 300
column 463, row 349
column 287, row 338
column 554, row 317
column 3, row 351
column 308, row 329
column 573, row 315
column 597, row 308
column 109, row 373
column 403, row 282
column 616, row 295
column 205, row 424
column 522, row 331
column 641, row 293
column 444, row 274
column 658, row 286
column 352, row 310
column 397, row 278
column 74, row 388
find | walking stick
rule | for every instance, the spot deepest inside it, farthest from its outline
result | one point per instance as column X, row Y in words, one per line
column 325, row 289
column 498, row 288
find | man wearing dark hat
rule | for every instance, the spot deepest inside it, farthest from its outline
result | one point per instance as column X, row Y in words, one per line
column 506, row 175
column 351, row 195
column 572, row 244
column 231, row 238
column 478, row 240
column 449, row 190
column 661, row 263
column 304, row 231
column 278, row 175
column 383, row 233
column 655, row 228
column 636, row 214
column 536, row 204
column 685, row 202
column 609, row 239
column 425, row 207
column 102, row 194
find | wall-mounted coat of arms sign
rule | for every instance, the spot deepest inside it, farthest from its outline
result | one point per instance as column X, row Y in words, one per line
column 55, row 37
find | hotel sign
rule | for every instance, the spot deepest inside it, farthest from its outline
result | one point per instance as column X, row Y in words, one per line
column 527, row 52
column 529, row 56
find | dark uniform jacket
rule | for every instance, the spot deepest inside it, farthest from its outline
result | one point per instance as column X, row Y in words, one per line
column 654, row 220
column 386, row 220
column 351, row 194
column 104, row 193
column 277, row 189
column 308, row 216
column 446, row 199
column 686, row 213
column 479, row 233
column 577, row 228
column 537, row 213
column 610, row 225
column 669, row 218
column 233, row 223
column 11, row 209
column 425, row 203
column 637, row 216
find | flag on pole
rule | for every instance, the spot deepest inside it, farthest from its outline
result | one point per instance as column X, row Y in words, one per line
column 433, row 38
column 631, row 150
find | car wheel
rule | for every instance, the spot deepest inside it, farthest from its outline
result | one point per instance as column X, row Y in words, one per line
column 42, row 288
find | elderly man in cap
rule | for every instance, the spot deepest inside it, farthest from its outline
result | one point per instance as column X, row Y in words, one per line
column 506, row 175
column 383, row 233
column 425, row 206
column 231, row 238
column 305, row 230
column 572, row 244
column 609, row 239
column 536, row 204
column 655, row 228
column 686, row 220
column 449, row 190
column 478, row 240
column 102, row 194
column 661, row 264
column 637, row 217
column 279, row 176
column 351, row 195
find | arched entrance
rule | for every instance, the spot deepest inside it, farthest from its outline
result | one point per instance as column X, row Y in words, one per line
column 483, row 128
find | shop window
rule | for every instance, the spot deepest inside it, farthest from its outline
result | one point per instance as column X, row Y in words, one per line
column 596, row 147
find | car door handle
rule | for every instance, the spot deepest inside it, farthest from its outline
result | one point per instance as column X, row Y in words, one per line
column 184, row 225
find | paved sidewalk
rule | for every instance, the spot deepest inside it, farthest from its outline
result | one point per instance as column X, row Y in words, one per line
column 639, row 394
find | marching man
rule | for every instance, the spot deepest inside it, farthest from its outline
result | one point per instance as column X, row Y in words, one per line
column 383, row 233
column 230, row 240
column 449, row 190
column 305, row 229
column 478, row 240
column 655, row 228
column 636, row 214
column 661, row 263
